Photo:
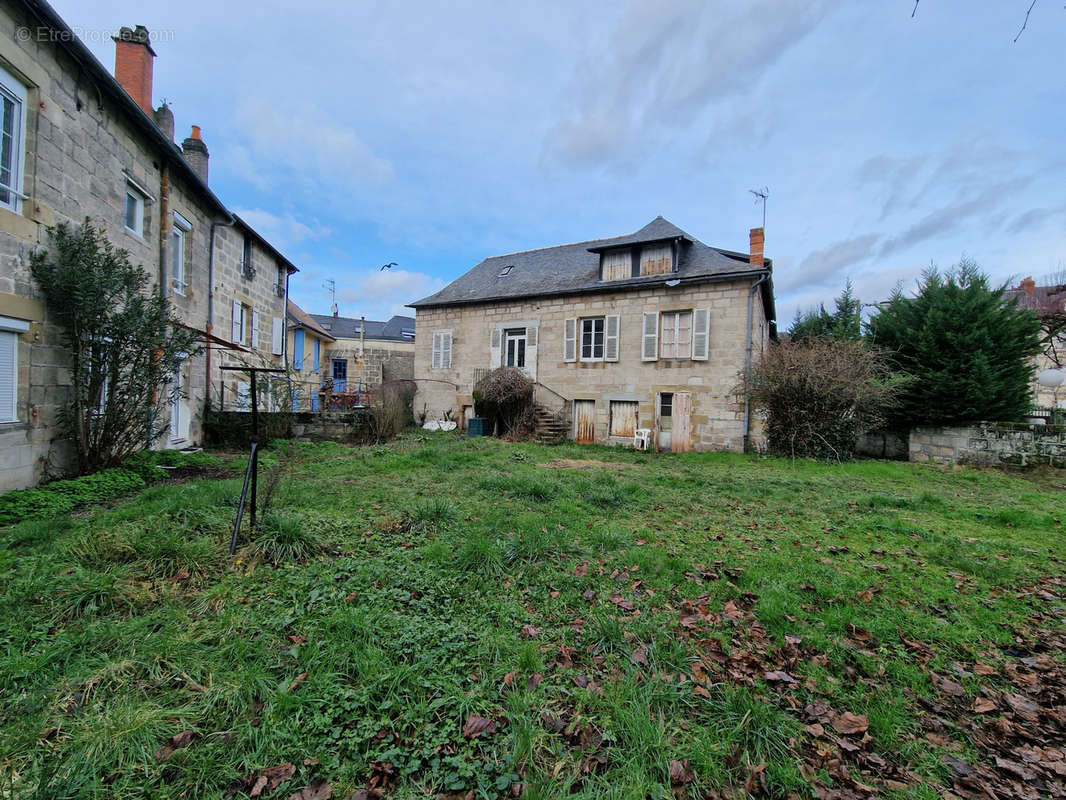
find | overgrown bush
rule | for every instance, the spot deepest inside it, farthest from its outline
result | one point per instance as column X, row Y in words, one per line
column 505, row 396
column 393, row 409
column 820, row 395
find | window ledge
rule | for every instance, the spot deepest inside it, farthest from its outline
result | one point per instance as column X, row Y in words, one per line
column 13, row 425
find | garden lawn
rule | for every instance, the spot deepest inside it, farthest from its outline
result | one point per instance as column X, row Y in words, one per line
column 467, row 618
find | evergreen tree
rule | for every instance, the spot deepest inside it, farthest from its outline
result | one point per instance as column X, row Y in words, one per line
column 843, row 324
column 123, row 339
column 969, row 351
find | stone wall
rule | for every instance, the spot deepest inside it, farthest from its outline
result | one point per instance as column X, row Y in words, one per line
column 891, row 445
column 233, row 428
column 717, row 407
column 991, row 444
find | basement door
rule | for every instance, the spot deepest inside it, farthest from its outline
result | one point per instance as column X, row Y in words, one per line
column 585, row 421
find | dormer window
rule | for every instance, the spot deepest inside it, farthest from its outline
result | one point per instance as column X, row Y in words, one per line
column 656, row 259
column 506, row 270
column 616, row 265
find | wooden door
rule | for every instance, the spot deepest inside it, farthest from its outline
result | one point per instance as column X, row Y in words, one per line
column 681, row 436
column 585, row 421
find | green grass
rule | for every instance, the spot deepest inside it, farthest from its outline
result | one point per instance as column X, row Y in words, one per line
column 393, row 592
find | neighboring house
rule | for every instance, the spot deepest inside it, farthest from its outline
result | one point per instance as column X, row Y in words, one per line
column 1050, row 303
column 652, row 330
column 79, row 142
column 308, row 343
column 368, row 353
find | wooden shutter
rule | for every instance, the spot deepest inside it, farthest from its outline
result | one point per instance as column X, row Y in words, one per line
column 610, row 338
column 298, row 349
column 277, row 335
column 701, row 334
column 656, row 260
column 617, row 265
column 235, row 331
column 254, row 341
column 435, row 363
column 495, row 349
column 318, row 350
column 532, row 334
column 570, row 339
column 9, row 343
column 650, row 345
column 446, row 350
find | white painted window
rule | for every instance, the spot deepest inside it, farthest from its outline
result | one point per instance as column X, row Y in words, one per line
column 12, row 139
column 515, row 348
column 649, row 348
column 442, row 350
column 610, row 339
column 592, row 333
column 570, row 339
column 701, row 334
column 9, row 372
column 134, row 210
column 177, row 255
column 676, row 341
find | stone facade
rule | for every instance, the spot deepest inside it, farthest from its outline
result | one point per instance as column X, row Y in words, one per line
column 373, row 362
column 717, row 418
column 991, row 444
column 82, row 145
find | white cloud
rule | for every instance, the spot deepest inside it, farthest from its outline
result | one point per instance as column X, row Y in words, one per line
column 378, row 294
column 283, row 232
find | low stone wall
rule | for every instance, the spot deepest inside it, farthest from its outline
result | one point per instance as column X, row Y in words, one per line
column 991, row 444
column 890, row 445
column 234, row 427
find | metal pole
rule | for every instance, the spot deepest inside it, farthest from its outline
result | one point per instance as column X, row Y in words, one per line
column 254, row 457
column 240, row 505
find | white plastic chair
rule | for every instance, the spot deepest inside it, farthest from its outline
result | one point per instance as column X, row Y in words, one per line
column 642, row 438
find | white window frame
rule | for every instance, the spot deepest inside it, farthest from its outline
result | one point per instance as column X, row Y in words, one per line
column 515, row 335
column 675, row 328
column 12, row 327
column 138, row 214
column 581, row 338
column 177, row 241
column 441, row 353
column 15, row 91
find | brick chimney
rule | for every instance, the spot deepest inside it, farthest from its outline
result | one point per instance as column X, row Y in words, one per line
column 196, row 153
column 133, row 65
column 756, row 237
column 1028, row 286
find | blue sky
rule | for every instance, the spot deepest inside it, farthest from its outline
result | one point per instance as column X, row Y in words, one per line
column 352, row 134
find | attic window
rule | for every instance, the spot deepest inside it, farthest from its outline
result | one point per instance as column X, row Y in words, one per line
column 327, row 326
column 506, row 270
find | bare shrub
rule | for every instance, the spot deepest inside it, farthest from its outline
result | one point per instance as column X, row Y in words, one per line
column 820, row 395
column 505, row 395
column 392, row 411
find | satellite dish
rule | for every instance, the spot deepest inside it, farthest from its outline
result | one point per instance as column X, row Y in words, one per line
column 1051, row 377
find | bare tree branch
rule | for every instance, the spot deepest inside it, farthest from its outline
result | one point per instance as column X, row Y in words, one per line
column 1025, row 21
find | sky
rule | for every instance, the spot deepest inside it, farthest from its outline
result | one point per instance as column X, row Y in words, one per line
column 890, row 136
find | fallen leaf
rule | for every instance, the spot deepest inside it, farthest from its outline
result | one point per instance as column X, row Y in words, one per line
column 271, row 778
column 298, row 680
column 982, row 705
column 777, row 676
column 175, row 742
column 681, row 773
column 640, row 656
column 318, row 790
column 848, row 723
column 478, row 726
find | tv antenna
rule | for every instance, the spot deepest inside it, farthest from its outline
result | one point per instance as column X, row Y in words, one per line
column 331, row 287
column 760, row 197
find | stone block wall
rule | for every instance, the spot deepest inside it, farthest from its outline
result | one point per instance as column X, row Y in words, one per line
column 717, row 406
column 991, row 444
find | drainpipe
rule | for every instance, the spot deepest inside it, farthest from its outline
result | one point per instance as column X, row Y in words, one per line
column 164, row 225
column 209, row 329
column 747, row 356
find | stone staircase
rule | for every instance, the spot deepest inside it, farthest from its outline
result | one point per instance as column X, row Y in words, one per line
column 551, row 428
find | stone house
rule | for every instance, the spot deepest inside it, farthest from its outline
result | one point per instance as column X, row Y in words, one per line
column 653, row 330
column 366, row 352
column 1050, row 302
column 80, row 142
column 308, row 344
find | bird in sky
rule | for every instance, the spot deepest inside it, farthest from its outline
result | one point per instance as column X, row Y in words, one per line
column 390, row 265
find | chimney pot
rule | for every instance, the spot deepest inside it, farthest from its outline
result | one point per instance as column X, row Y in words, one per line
column 1029, row 286
column 756, row 239
column 195, row 152
column 133, row 65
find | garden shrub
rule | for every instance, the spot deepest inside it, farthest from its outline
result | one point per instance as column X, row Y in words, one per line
column 505, row 396
column 820, row 395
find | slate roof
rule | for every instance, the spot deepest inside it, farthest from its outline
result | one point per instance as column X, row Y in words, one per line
column 301, row 319
column 575, row 269
column 348, row 327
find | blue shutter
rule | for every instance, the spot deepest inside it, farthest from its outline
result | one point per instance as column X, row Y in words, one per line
column 298, row 350
column 317, row 348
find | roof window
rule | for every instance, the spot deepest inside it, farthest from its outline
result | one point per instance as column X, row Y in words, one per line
column 506, row 270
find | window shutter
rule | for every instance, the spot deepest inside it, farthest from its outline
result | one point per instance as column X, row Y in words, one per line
column 495, row 349
column 650, row 346
column 610, row 338
column 532, row 334
column 8, row 375
column 570, row 340
column 446, row 350
column 701, row 334
column 318, row 346
column 277, row 335
column 254, row 340
column 235, row 333
column 298, row 349
column 436, row 351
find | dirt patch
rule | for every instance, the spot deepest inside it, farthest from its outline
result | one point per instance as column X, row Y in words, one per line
column 581, row 463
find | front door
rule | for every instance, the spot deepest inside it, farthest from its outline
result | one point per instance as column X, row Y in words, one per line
column 585, row 421
column 340, row 374
column 681, row 439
